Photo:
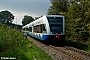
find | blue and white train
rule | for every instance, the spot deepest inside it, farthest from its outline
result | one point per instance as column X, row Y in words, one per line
column 47, row 27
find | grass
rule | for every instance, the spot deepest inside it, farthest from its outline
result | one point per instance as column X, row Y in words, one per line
column 27, row 53
column 34, row 51
column 14, row 44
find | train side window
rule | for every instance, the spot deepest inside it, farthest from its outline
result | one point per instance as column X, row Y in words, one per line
column 43, row 28
column 40, row 28
column 30, row 29
column 37, row 29
column 27, row 29
column 23, row 29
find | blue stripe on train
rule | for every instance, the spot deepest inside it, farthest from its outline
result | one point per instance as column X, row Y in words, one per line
column 35, row 35
column 45, row 37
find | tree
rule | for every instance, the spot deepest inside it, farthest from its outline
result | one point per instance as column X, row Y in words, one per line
column 77, row 20
column 27, row 19
column 57, row 6
column 6, row 17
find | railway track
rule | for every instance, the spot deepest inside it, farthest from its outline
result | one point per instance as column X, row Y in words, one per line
column 62, row 53
column 73, row 52
column 78, row 50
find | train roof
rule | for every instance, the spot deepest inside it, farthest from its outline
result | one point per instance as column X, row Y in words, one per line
column 39, row 19
column 53, row 15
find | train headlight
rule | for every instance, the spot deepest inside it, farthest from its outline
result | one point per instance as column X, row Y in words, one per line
column 57, row 36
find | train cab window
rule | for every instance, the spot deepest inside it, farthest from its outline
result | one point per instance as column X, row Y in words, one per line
column 56, row 24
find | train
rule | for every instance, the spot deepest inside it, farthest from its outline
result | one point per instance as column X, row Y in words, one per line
column 47, row 27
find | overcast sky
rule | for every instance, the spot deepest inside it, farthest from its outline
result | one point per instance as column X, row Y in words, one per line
column 19, row 8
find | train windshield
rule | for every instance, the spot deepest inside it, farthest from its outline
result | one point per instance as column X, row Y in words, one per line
column 56, row 24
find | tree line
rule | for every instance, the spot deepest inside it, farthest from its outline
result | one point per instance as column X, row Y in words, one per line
column 6, row 17
column 77, row 15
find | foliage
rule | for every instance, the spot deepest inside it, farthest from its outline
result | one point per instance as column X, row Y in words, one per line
column 27, row 19
column 14, row 44
column 10, row 39
column 19, row 27
column 77, row 16
column 76, row 44
column 6, row 17
column 57, row 6
column 78, row 21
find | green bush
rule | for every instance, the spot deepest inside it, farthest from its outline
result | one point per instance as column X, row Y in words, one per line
column 10, row 39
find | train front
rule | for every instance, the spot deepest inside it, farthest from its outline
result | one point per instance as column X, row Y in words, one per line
column 56, row 27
